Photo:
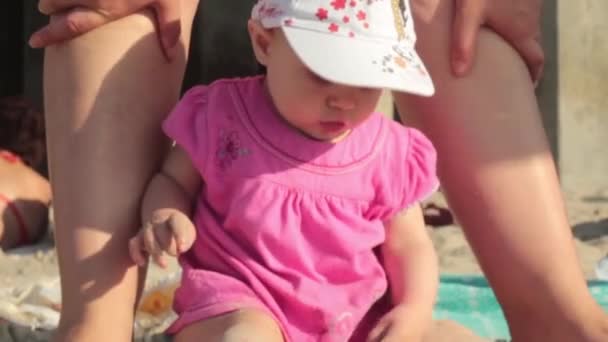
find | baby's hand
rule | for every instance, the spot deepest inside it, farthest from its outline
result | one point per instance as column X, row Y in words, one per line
column 168, row 231
column 401, row 324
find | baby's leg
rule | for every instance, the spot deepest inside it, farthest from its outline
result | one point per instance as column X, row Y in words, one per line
column 247, row 325
column 451, row 331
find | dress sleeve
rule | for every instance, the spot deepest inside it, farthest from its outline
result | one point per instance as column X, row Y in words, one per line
column 408, row 174
column 419, row 179
column 187, row 125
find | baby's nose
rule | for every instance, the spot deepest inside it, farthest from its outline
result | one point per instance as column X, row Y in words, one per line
column 341, row 103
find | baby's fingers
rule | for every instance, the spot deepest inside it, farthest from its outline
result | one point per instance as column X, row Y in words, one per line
column 183, row 233
column 136, row 251
column 380, row 331
column 164, row 238
column 152, row 245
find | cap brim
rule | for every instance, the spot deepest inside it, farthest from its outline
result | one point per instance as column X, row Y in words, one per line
column 359, row 62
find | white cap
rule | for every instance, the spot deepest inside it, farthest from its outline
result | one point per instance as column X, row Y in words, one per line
column 363, row 43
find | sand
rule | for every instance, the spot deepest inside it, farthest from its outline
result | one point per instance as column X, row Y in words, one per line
column 587, row 207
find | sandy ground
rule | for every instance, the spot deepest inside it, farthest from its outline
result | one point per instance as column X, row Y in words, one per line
column 588, row 211
column 588, row 215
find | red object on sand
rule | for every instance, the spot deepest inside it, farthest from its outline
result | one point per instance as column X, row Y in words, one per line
column 9, row 157
column 24, row 236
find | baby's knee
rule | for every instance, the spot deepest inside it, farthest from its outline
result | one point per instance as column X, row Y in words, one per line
column 252, row 326
column 250, row 332
column 239, row 326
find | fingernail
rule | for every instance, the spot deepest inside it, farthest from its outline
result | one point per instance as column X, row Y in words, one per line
column 35, row 42
column 538, row 77
column 169, row 47
column 170, row 54
column 459, row 66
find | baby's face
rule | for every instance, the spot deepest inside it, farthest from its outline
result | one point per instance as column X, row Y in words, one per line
column 318, row 108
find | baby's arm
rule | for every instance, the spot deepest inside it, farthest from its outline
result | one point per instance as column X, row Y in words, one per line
column 166, row 207
column 410, row 261
column 411, row 264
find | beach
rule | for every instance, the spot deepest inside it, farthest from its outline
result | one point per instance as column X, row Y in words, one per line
column 34, row 268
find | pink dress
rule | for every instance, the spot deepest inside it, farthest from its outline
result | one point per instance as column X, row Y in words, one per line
column 287, row 224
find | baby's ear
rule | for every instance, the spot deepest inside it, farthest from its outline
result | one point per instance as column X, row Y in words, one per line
column 261, row 38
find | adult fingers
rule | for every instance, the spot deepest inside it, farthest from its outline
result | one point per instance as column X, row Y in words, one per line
column 49, row 7
column 168, row 15
column 468, row 17
column 533, row 54
column 66, row 26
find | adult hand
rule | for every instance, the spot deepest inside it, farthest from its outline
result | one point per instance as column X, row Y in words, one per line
column 71, row 18
column 517, row 21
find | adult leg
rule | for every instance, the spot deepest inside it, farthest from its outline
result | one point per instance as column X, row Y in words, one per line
column 242, row 325
column 499, row 176
column 106, row 93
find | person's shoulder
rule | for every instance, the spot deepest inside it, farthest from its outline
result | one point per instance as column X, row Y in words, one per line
column 407, row 164
column 402, row 144
column 399, row 135
column 396, row 128
column 223, row 89
column 394, row 133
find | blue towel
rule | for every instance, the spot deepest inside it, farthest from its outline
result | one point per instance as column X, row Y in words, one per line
column 470, row 301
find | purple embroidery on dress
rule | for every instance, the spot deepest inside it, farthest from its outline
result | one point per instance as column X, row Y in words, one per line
column 229, row 149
